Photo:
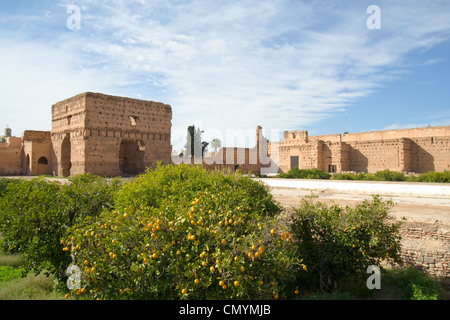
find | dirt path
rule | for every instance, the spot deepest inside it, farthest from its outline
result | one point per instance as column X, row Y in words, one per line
column 426, row 210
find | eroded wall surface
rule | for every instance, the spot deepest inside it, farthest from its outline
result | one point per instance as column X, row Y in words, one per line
column 109, row 135
column 416, row 150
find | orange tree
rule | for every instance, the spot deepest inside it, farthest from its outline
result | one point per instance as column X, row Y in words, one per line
column 35, row 214
column 338, row 244
column 181, row 232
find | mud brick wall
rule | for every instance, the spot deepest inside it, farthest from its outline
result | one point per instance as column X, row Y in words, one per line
column 109, row 135
column 427, row 247
column 68, row 119
column 416, row 150
column 430, row 154
column 373, row 156
column 11, row 156
column 37, row 152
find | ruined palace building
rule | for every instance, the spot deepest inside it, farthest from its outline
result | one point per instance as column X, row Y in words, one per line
column 112, row 136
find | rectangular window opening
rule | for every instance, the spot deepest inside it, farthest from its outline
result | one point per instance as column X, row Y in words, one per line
column 294, row 162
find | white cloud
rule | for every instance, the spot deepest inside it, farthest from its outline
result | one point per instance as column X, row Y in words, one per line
column 434, row 61
column 233, row 64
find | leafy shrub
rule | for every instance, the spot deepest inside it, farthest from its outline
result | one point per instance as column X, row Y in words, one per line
column 414, row 284
column 88, row 195
column 35, row 215
column 339, row 243
column 387, row 175
column 439, row 177
column 349, row 176
column 4, row 183
column 295, row 173
column 30, row 222
column 181, row 232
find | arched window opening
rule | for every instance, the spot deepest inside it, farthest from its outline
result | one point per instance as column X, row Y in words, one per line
column 42, row 160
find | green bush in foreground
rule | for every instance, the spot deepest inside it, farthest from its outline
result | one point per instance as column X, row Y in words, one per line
column 340, row 243
column 181, row 232
column 35, row 214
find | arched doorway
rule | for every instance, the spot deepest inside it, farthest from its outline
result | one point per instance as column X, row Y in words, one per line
column 131, row 156
column 42, row 167
column 66, row 163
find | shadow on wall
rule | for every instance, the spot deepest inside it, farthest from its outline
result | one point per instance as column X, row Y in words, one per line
column 421, row 160
column 358, row 161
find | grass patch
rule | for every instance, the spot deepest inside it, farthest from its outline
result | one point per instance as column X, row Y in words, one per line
column 31, row 287
column 10, row 260
column 7, row 273
column 15, row 287
column 412, row 284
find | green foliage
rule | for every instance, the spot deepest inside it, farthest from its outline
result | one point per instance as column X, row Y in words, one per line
column 384, row 175
column 414, row 284
column 194, row 145
column 35, row 215
column 8, row 273
column 88, row 195
column 10, row 260
column 216, row 144
column 439, row 177
column 30, row 221
column 181, row 184
column 348, row 176
column 296, row 173
column 181, row 232
column 31, row 287
column 387, row 175
column 339, row 243
column 4, row 183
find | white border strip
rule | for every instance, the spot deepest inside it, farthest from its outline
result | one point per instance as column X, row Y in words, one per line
column 424, row 190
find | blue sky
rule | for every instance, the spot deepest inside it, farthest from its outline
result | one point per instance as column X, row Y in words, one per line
column 228, row 66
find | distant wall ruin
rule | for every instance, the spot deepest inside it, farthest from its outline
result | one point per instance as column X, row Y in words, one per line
column 417, row 150
column 93, row 133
